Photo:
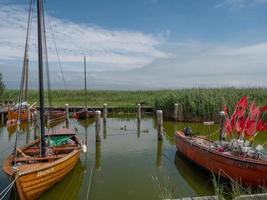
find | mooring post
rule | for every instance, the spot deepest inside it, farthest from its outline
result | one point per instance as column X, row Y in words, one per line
column 98, row 125
column 222, row 121
column 176, row 111
column 160, row 124
column 35, row 124
column 139, row 111
column 67, row 115
column 105, row 111
column 28, row 113
column 3, row 118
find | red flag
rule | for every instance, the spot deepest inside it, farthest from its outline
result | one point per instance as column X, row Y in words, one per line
column 255, row 113
column 240, row 124
column 250, row 128
column 259, row 125
column 227, row 126
column 264, row 108
column 264, row 127
column 242, row 102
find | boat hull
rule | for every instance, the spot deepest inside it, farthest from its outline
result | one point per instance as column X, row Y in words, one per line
column 52, row 117
column 31, row 183
column 85, row 114
column 248, row 171
column 12, row 116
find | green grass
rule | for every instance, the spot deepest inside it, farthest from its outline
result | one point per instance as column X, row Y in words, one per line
column 204, row 104
column 197, row 104
column 95, row 98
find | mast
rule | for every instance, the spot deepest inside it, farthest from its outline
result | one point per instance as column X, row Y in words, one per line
column 85, row 87
column 40, row 63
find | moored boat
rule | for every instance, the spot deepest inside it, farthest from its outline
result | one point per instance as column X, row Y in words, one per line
column 34, row 174
column 200, row 150
column 83, row 114
column 54, row 116
column 37, row 166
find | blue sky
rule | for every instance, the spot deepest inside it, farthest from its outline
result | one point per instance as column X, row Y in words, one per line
column 205, row 20
column 144, row 40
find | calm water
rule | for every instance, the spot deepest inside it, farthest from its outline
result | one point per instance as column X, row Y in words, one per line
column 129, row 162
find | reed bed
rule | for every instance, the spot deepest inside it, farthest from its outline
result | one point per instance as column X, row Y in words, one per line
column 200, row 104
column 196, row 104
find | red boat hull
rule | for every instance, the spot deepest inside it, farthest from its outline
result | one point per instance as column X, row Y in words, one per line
column 247, row 170
column 54, row 116
column 85, row 114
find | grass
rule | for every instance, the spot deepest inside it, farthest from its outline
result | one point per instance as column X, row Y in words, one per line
column 200, row 104
column 197, row 104
column 232, row 189
column 95, row 98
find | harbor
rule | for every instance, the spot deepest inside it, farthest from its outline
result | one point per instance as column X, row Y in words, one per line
column 141, row 100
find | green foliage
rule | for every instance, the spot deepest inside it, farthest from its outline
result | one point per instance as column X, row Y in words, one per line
column 2, row 85
column 126, row 100
column 200, row 104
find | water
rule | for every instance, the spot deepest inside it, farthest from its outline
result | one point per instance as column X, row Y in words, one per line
column 128, row 163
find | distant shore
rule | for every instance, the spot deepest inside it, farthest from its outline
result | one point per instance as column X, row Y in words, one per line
column 195, row 104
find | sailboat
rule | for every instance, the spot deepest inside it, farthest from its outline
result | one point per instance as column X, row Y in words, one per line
column 84, row 114
column 12, row 113
column 39, row 165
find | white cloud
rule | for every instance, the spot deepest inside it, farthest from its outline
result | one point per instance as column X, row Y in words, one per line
column 112, row 49
column 192, row 64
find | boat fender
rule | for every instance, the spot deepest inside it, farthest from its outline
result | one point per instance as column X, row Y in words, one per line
column 188, row 131
column 221, row 149
column 84, row 148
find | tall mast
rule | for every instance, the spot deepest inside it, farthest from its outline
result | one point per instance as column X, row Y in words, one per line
column 40, row 63
column 85, row 87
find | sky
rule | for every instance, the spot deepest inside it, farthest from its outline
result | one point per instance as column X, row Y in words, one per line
column 140, row 44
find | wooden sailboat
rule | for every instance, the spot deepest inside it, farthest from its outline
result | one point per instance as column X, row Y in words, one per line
column 226, row 164
column 39, row 165
column 54, row 116
column 12, row 113
column 85, row 114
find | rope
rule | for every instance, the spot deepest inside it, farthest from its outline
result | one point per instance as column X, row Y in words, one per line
column 212, row 133
column 7, row 189
column 54, row 41
column 91, row 177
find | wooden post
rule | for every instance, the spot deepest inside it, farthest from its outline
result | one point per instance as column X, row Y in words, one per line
column 176, row 111
column 160, row 124
column 67, row 115
column 98, row 125
column 105, row 112
column 28, row 113
column 222, row 121
column 139, row 111
column 35, row 124
column 3, row 118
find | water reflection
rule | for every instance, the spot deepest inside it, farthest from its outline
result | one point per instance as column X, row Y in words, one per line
column 98, row 155
column 138, row 128
column 105, row 129
column 159, row 152
column 197, row 178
